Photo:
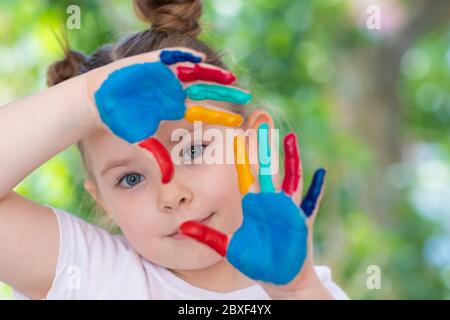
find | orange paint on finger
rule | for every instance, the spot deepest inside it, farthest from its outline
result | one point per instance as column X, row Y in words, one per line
column 197, row 113
column 245, row 177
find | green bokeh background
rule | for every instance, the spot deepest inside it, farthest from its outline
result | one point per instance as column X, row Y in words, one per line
column 371, row 106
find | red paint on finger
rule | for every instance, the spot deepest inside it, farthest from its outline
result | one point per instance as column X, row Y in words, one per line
column 198, row 72
column 291, row 164
column 162, row 157
column 214, row 239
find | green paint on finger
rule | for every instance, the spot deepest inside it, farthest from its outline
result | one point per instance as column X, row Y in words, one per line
column 218, row 92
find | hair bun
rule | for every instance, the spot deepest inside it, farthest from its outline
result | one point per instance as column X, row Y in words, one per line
column 65, row 69
column 180, row 16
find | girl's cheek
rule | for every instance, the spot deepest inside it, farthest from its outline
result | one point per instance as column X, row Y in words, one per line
column 217, row 182
column 128, row 212
column 140, row 230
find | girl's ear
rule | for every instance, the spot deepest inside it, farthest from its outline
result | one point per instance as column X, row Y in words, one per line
column 92, row 190
column 258, row 117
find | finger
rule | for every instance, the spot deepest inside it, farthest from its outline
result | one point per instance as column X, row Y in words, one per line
column 215, row 239
column 215, row 117
column 297, row 195
column 309, row 203
column 154, row 56
column 188, row 50
column 174, row 56
column 161, row 156
column 264, row 173
column 204, row 91
column 245, row 177
column 199, row 72
column 291, row 164
column 312, row 214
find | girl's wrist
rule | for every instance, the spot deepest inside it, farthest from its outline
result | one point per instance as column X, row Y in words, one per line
column 315, row 290
column 84, row 114
column 307, row 286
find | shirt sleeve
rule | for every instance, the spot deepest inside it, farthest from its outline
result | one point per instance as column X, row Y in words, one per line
column 324, row 274
column 88, row 259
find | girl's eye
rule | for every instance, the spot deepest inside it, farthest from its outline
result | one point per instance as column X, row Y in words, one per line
column 130, row 180
column 193, row 151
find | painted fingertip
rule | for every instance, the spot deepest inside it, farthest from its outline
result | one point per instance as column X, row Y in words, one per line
column 205, row 91
column 312, row 196
column 174, row 56
column 245, row 177
column 198, row 72
column 263, row 126
column 216, row 117
column 291, row 164
column 215, row 239
column 319, row 174
column 161, row 156
column 264, row 155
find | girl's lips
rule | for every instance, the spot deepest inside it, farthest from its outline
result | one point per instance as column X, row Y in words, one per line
column 178, row 235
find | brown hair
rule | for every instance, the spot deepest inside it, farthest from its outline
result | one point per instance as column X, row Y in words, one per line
column 173, row 23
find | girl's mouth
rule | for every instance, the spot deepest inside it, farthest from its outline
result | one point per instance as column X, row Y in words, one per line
column 177, row 235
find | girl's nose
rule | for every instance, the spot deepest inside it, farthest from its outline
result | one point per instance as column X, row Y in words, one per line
column 173, row 198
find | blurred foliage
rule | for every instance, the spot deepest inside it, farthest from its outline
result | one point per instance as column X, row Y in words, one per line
column 288, row 52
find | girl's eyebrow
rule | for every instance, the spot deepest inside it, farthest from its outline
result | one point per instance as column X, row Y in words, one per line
column 114, row 164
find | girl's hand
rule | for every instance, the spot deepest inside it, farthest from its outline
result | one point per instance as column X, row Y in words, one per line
column 274, row 243
column 133, row 95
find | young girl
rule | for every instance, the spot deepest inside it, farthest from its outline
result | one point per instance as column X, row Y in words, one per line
column 47, row 253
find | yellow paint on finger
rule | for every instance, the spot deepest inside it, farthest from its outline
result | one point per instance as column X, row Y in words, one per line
column 197, row 113
column 245, row 177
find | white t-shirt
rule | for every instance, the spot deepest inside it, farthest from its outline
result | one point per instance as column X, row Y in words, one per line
column 93, row 264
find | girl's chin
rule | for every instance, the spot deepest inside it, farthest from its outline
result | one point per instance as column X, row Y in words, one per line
column 194, row 258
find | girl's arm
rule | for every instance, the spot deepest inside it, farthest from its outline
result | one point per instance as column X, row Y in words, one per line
column 33, row 130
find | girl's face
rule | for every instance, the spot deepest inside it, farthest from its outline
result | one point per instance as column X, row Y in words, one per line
column 149, row 212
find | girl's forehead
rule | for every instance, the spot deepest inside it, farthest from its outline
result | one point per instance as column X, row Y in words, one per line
column 211, row 104
column 102, row 145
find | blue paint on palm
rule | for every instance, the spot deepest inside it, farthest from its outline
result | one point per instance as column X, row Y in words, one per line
column 271, row 244
column 133, row 100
